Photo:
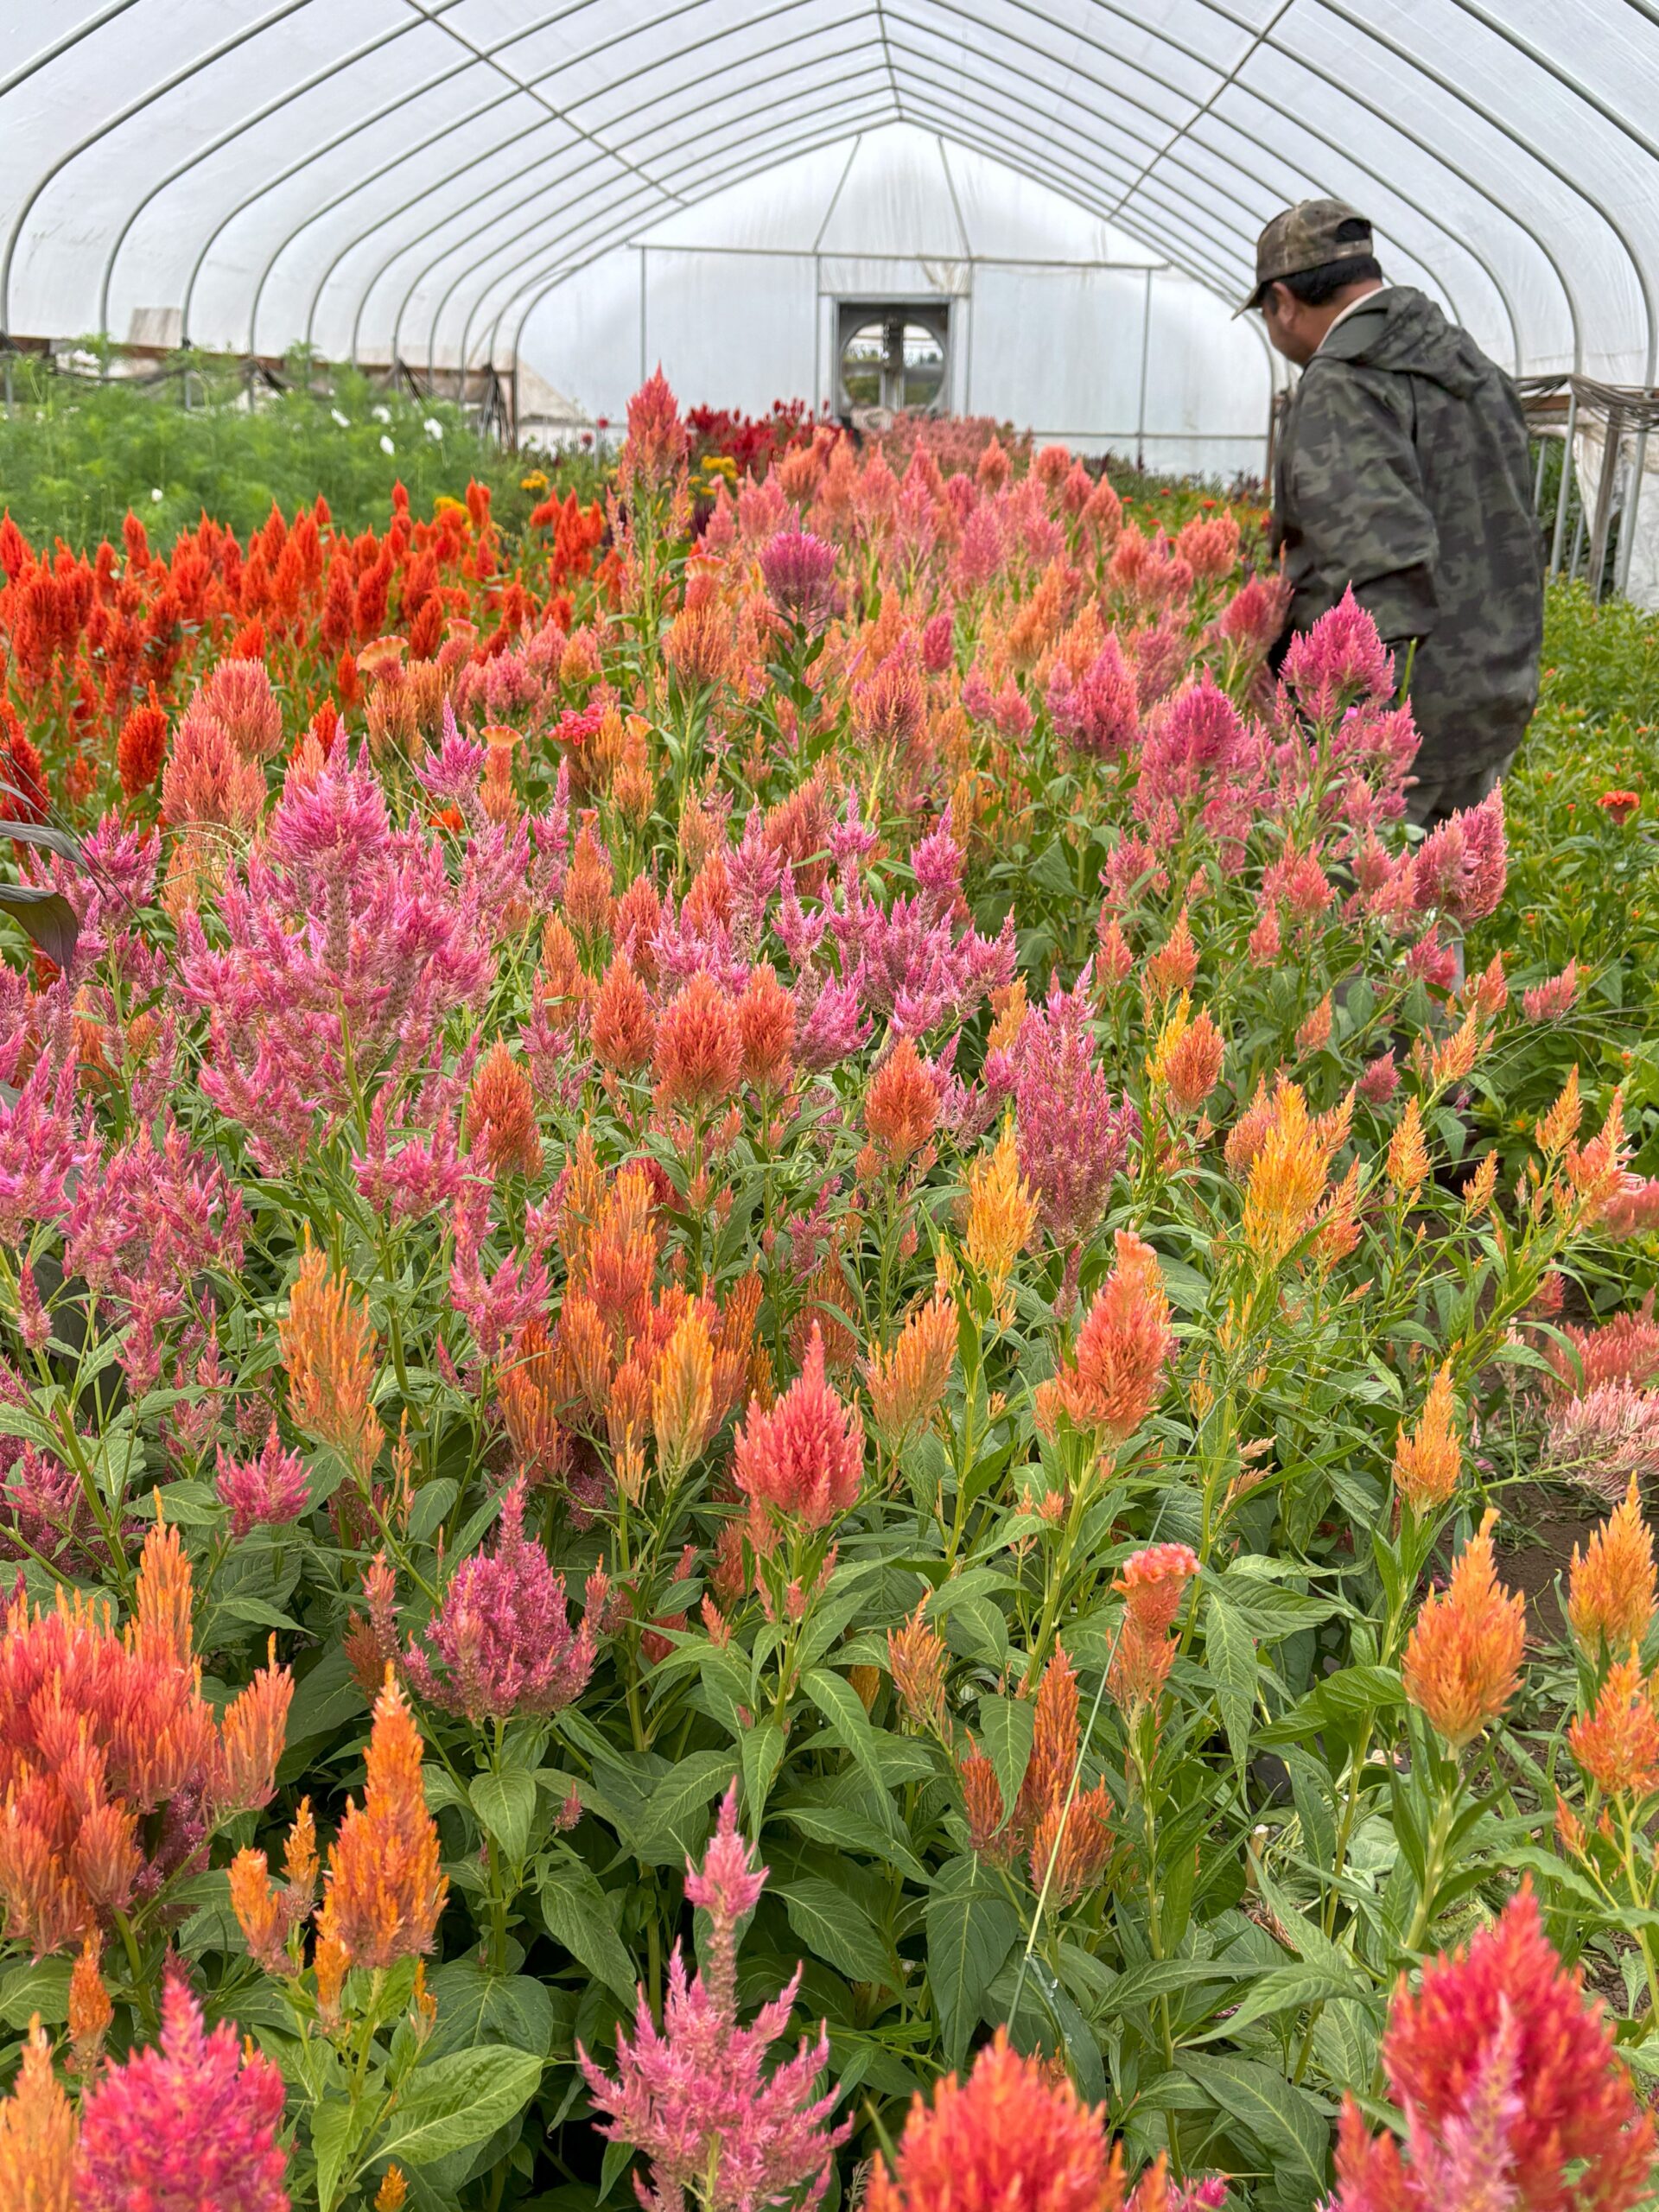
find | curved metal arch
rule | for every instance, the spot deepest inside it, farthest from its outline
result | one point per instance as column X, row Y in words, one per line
column 1190, row 205
column 122, row 117
column 671, row 14
column 1003, row 94
column 953, row 137
column 1590, row 199
column 1378, row 114
column 697, row 105
column 228, row 136
column 61, row 46
column 741, row 120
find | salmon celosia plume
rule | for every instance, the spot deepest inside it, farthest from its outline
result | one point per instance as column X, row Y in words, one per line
column 384, row 1892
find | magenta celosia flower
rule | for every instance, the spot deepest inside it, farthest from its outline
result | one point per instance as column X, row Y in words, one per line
column 1254, row 616
column 800, row 574
column 1460, row 869
column 42, row 1147
column 188, row 2124
column 501, row 1634
column 938, row 641
column 1339, row 661
column 695, row 2099
column 1097, row 713
column 1634, row 1209
column 1073, row 1140
column 921, row 958
column 266, row 1491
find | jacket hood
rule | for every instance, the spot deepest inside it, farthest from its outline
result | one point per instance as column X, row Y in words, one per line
column 1402, row 332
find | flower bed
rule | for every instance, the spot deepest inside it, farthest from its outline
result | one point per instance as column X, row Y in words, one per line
column 795, row 1202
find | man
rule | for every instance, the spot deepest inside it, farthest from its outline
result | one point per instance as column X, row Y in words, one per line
column 1402, row 472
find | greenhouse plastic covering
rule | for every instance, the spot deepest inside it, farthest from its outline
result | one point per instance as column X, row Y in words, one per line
column 578, row 190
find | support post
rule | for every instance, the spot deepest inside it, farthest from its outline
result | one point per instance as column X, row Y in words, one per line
column 1568, row 465
column 1146, row 348
column 1613, row 448
column 644, row 371
column 1627, row 520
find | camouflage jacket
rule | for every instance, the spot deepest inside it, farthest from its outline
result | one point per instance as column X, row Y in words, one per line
column 1403, row 471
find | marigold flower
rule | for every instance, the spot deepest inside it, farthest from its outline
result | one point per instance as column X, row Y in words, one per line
column 682, row 1394
column 699, row 1051
column 328, row 1350
column 803, row 1458
column 191, row 2123
column 1427, row 1460
column 1510, row 2086
column 693, row 2097
column 1114, row 1375
column 37, row 2134
column 1013, row 2135
column 908, row 1383
column 901, row 1106
column 1001, row 1214
column 1407, row 1154
column 501, row 1116
column 1612, row 1584
column 1617, row 1744
column 384, row 1892
column 1463, row 1661
column 502, row 1638
column 917, row 1660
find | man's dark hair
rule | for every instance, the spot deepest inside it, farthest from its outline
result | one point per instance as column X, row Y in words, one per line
column 1313, row 287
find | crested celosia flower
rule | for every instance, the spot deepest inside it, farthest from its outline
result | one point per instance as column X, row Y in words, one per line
column 501, row 1636
column 37, row 2134
column 501, row 1127
column 1463, row 1660
column 383, row 1892
column 1510, row 2086
column 803, row 1458
column 1612, row 1584
column 698, row 1050
column 263, row 1492
column 114, row 1768
column 190, row 2124
column 1115, row 1375
column 901, row 1107
column 328, row 1351
column 907, row 1382
column 1015, row 2135
column 1616, row 1743
column 693, row 2096
column 1427, row 1460
column 917, row 1662
column 800, row 574
column 1604, row 1439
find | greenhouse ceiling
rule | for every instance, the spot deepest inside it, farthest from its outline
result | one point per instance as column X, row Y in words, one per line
column 245, row 177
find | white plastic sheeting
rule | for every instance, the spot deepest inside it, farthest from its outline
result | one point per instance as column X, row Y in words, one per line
column 445, row 180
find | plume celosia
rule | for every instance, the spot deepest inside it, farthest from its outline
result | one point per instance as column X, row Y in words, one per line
column 1073, row 1140
column 1463, row 1660
column 917, row 1662
column 1002, row 1213
column 37, row 2134
column 1512, row 2090
column 383, row 1892
column 693, row 2097
column 908, row 1383
column 801, row 1458
column 1611, row 1583
column 328, row 1351
column 1616, row 1743
column 190, row 2124
column 1151, row 1585
column 264, row 1491
column 1604, row 1439
column 501, row 1634
column 1427, row 1460
column 1115, row 1375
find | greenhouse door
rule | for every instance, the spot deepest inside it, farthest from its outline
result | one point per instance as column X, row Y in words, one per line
column 893, row 358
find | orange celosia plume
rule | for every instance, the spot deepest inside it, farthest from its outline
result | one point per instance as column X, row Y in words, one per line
column 383, row 1891
column 1463, row 1662
column 328, row 1350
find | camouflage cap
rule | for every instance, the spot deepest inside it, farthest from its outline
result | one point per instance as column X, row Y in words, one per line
column 1308, row 236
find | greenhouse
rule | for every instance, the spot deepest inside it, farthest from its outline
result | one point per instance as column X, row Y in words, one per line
column 829, row 1106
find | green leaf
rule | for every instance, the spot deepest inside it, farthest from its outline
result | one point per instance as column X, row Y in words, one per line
column 1285, row 2121
column 671, row 1824
column 843, row 1829
column 843, row 1709
column 1287, row 1989
column 476, row 2007
column 336, row 2132
column 453, row 2101
column 834, row 1926
column 761, row 1748
column 1006, row 1726
column 971, row 1929
column 41, row 1987
column 573, row 1906
column 1164, row 1977
column 506, row 1803
column 1229, row 1654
